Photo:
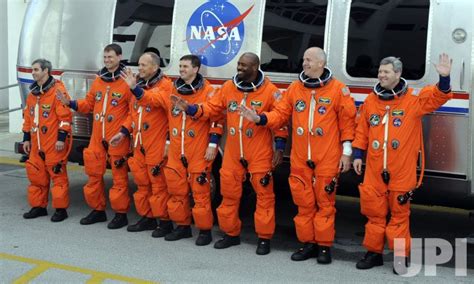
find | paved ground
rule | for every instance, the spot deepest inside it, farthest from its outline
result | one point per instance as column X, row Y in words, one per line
column 43, row 252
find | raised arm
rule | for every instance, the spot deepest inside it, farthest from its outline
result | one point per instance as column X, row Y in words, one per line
column 433, row 97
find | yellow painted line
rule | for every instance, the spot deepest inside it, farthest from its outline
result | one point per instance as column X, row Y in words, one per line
column 95, row 280
column 97, row 276
column 11, row 161
column 33, row 273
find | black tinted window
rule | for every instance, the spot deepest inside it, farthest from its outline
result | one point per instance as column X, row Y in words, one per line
column 290, row 27
column 378, row 29
column 141, row 24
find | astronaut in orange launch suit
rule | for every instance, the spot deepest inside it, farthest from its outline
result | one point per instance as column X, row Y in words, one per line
column 389, row 128
column 323, row 122
column 46, row 128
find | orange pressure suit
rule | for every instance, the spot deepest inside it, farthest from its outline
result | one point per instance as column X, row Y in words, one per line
column 256, row 152
column 323, row 116
column 403, row 115
column 150, row 128
column 186, row 163
column 108, row 99
column 46, row 121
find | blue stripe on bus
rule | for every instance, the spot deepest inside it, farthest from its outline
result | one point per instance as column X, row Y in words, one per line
column 27, row 81
column 453, row 109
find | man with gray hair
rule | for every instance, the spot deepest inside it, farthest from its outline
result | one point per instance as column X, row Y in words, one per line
column 46, row 128
column 389, row 128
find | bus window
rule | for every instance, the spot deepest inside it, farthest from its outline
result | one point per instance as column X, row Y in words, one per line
column 289, row 28
column 142, row 24
column 378, row 29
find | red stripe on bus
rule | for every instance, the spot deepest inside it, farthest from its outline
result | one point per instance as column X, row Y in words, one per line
column 29, row 70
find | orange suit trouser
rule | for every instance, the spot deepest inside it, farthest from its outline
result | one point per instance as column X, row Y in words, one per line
column 228, row 211
column 375, row 205
column 151, row 196
column 95, row 162
column 39, row 175
column 316, row 208
column 179, row 207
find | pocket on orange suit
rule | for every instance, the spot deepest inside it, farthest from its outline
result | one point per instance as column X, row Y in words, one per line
column 372, row 202
column 94, row 162
column 36, row 173
column 139, row 171
column 302, row 193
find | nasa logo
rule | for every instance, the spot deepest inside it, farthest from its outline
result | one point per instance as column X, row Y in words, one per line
column 215, row 32
column 322, row 110
column 397, row 122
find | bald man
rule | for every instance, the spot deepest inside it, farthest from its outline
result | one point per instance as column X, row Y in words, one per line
column 149, row 127
column 249, row 149
column 323, row 122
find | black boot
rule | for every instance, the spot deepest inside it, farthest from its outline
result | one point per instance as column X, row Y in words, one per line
column 24, row 158
column 120, row 220
column 59, row 215
column 324, row 255
column 370, row 260
column 227, row 241
column 94, row 217
column 263, row 246
column 308, row 250
column 401, row 263
column 144, row 224
column 181, row 232
column 204, row 238
column 35, row 212
column 163, row 229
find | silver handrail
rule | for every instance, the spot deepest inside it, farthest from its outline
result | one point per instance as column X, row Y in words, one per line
column 10, row 110
column 8, row 86
column 13, row 109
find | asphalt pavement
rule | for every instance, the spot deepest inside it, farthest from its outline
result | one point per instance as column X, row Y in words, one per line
column 39, row 251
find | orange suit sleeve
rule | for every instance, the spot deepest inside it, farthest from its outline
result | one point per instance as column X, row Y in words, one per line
column 431, row 98
column 281, row 132
column 86, row 105
column 63, row 112
column 154, row 97
column 27, row 116
column 127, row 124
column 346, row 114
column 213, row 108
column 361, row 139
column 280, row 115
